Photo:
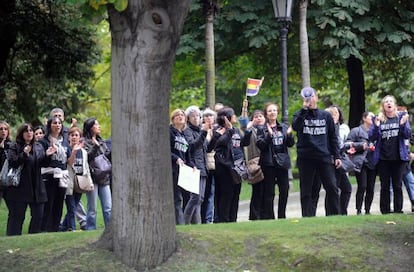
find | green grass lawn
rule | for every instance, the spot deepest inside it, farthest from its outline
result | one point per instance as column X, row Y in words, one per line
column 337, row 243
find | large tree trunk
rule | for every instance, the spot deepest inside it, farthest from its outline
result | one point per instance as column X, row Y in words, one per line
column 303, row 43
column 357, row 90
column 210, row 65
column 144, row 39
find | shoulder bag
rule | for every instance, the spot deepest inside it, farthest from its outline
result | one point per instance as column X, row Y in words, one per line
column 210, row 162
column 254, row 170
column 82, row 184
column 239, row 171
column 100, row 168
column 10, row 176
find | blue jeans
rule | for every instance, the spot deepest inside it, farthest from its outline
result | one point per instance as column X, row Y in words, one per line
column 72, row 202
column 408, row 180
column 207, row 207
column 104, row 193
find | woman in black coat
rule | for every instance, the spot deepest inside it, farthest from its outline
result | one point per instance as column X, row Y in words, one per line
column 4, row 145
column 228, row 142
column 31, row 190
column 273, row 141
column 195, row 135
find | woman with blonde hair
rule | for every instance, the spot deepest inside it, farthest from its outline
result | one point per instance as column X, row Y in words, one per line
column 179, row 156
column 390, row 130
column 4, row 145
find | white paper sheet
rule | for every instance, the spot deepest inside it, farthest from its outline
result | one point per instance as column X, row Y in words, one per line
column 189, row 179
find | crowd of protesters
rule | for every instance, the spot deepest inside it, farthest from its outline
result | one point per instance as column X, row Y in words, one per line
column 53, row 158
column 226, row 150
column 327, row 152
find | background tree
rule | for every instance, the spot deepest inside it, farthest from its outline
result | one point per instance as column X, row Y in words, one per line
column 365, row 31
column 210, row 8
column 303, row 44
column 46, row 55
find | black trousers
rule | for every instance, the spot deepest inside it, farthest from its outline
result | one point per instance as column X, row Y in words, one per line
column 309, row 171
column 54, row 206
column 390, row 172
column 366, row 185
column 256, row 201
column 345, row 187
column 273, row 176
column 227, row 195
column 17, row 213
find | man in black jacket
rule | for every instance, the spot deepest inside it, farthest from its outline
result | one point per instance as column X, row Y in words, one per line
column 317, row 154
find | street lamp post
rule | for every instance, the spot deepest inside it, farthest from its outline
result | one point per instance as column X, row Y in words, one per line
column 283, row 11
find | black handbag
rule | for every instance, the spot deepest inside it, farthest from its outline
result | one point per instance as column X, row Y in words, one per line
column 240, row 168
column 101, row 168
column 282, row 159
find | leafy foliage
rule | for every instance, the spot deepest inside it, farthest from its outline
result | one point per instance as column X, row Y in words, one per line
column 49, row 61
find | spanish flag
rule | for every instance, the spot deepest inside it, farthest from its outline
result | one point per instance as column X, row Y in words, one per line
column 253, row 86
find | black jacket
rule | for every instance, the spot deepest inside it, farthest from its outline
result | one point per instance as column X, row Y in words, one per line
column 317, row 139
column 224, row 146
column 179, row 149
column 3, row 152
column 196, row 139
column 269, row 155
column 31, row 188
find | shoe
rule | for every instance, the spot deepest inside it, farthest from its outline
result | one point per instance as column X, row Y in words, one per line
column 83, row 226
column 412, row 208
column 367, row 213
column 358, row 212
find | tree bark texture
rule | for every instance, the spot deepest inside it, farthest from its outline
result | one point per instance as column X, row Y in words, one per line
column 144, row 40
column 210, row 65
column 357, row 90
column 304, row 45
